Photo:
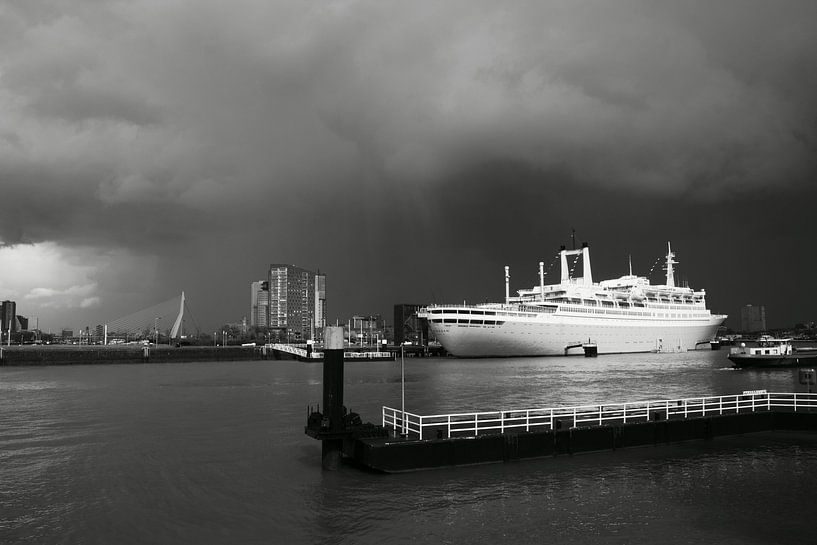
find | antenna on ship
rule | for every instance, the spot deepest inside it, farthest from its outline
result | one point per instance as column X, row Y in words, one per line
column 631, row 263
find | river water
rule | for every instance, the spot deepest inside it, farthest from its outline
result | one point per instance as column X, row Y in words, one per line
column 215, row 453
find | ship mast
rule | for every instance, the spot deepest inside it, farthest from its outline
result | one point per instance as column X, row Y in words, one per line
column 507, row 285
column 670, row 263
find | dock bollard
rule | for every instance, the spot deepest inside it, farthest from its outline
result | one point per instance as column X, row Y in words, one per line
column 332, row 448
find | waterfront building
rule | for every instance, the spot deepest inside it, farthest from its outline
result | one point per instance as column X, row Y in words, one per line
column 259, row 304
column 753, row 318
column 320, row 305
column 408, row 326
column 8, row 316
column 367, row 329
column 294, row 299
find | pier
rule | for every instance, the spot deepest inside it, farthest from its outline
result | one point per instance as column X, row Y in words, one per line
column 405, row 441
column 445, row 440
column 418, row 442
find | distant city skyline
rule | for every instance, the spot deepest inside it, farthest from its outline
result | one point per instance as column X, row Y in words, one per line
column 409, row 150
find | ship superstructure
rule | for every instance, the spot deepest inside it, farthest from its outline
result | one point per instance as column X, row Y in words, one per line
column 621, row 315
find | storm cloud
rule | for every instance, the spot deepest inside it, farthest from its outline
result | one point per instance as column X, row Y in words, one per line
column 383, row 141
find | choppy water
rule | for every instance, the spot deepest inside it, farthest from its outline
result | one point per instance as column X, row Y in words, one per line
column 215, row 453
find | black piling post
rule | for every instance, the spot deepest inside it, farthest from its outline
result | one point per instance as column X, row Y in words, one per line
column 332, row 449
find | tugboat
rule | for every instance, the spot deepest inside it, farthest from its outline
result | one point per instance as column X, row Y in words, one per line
column 771, row 352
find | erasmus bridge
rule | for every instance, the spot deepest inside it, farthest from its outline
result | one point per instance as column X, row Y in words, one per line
column 166, row 319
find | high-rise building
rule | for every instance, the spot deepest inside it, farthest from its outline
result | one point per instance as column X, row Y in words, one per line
column 408, row 327
column 320, row 305
column 8, row 316
column 294, row 299
column 753, row 318
column 259, row 303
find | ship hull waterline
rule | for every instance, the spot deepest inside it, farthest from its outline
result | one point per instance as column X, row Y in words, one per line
column 528, row 339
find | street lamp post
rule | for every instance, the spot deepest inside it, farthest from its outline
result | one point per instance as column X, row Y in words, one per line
column 403, row 386
column 156, row 330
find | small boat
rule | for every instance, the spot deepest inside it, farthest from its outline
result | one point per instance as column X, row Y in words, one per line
column 719, row 342
column 771, row 352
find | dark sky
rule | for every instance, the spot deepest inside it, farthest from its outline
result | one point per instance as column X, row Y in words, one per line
column 409, row 150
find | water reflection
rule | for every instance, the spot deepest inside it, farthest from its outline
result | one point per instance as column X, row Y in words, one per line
column 453, row 385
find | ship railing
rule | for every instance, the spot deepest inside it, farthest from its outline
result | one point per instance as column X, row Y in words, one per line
column 489, row 306
column 473, row 424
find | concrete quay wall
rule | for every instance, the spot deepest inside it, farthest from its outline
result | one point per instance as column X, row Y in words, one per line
column 92, row 355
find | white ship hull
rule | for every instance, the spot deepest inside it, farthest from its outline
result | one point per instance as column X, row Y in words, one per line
column 554, row 335
column 620, row 315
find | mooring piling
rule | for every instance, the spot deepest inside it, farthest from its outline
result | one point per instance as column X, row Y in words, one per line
column 332, row 445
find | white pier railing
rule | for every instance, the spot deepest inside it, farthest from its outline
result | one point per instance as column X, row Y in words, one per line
column 522, row 420
column 289, row 349
column 301, row 351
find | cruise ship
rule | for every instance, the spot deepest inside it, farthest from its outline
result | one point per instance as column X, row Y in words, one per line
column 622, row 315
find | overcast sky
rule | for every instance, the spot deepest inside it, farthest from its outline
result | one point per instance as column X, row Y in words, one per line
column 409, row 150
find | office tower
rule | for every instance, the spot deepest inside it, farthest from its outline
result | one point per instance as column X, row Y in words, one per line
column 293, row 302
column 259, row 303
column 8, row 316
column 320, row 305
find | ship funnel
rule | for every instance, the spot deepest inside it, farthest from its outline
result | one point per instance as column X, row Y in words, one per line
column 507, row 285
column 588, row 274
column 565, row 270
column 541, row 280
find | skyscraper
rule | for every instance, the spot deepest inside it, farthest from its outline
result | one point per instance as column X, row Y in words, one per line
column 259, row 303
column 297, row 302
column 320, row 305
column 8, row 316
